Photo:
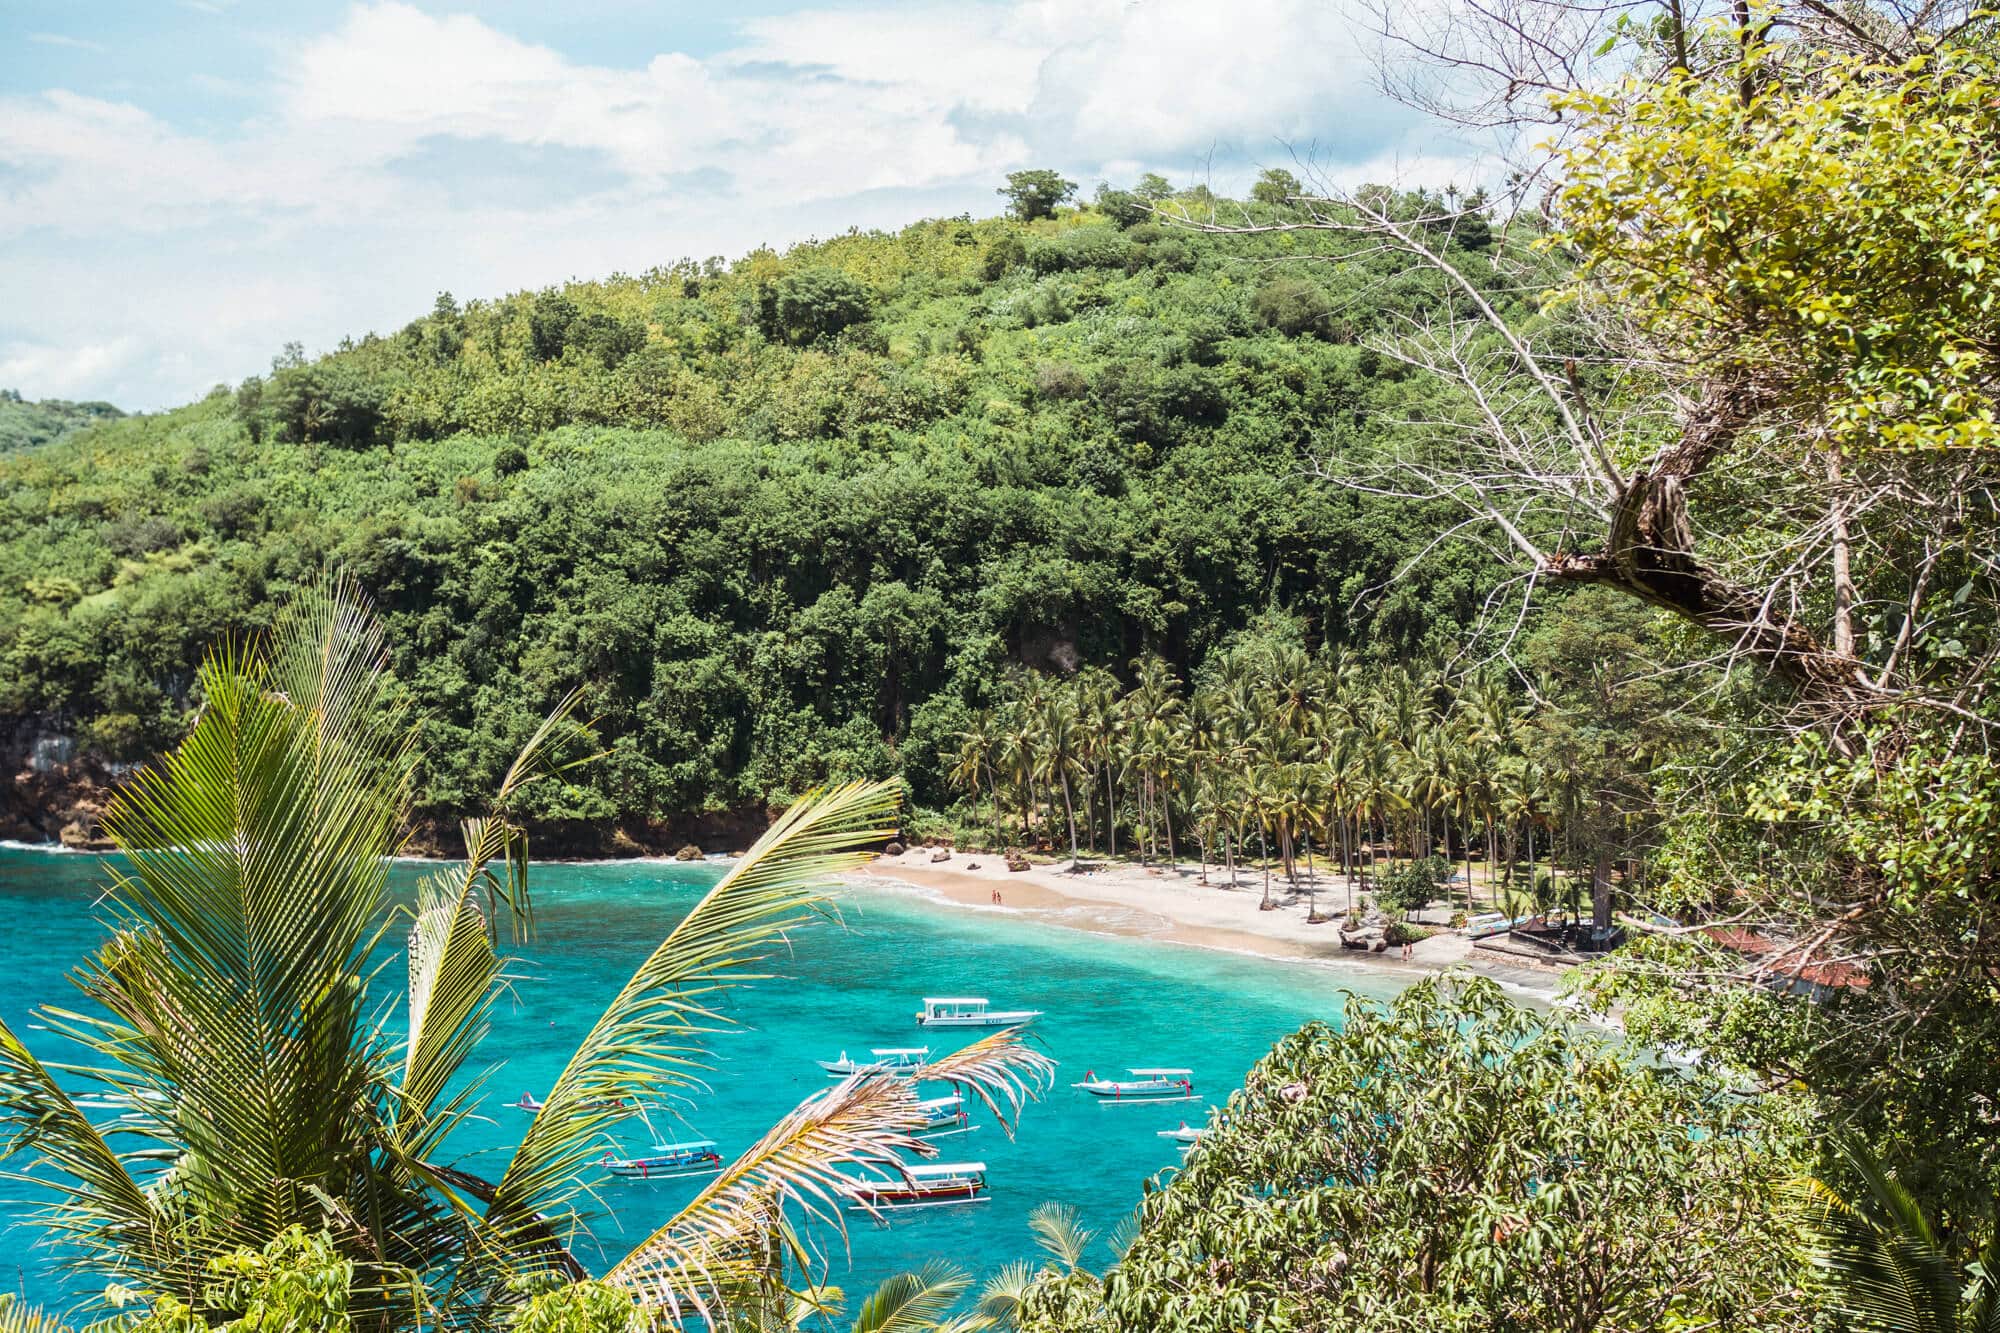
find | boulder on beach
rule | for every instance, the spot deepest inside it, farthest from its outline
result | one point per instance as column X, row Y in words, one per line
column 689, row 852
column 941, row 854
column 893, row 849
column 1017, row 863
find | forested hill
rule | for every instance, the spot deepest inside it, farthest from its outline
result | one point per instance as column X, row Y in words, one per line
column 781, row 520
column 23, row 424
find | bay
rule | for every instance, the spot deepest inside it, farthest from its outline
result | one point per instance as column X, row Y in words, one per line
column 848, row 984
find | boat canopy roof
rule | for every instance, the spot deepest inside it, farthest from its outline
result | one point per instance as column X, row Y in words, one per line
column 923, row 1170
column 1151, row 1073
column 954, row 999
column 900, row 1050
column 938, row 1102
column 689, row 1145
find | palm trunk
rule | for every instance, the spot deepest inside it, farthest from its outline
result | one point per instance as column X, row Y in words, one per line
column 1069, row 810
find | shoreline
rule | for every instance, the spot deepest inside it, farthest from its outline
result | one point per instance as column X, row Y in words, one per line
column 1127, row 901
column 1174, row 907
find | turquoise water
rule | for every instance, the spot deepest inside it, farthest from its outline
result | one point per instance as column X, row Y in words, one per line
column 1111, row 1003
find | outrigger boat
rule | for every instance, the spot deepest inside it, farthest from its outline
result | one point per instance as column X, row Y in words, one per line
column 668, row 1161
column 530, row 1103
column 1145, row 1085
column 928, row 1185
column 971, row 1011
column 1186, row 1134
column 902, row 1061
column 946, row 1116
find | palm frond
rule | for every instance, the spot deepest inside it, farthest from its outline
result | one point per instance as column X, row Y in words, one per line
column 101, row 1212
column 1060, row 1233
column 651, row 1037
column 720, row 1240
column 1001, row 1296
column 252, row 903
column 1000, row 1069
column 18, row 1318
column 455, row 972
column 912, row 1302
column 1884, row 1265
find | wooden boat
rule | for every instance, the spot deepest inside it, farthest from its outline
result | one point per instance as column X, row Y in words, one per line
column 971, row 1011
column 1488, row 924
column 1186, row 1134
column 529, row 1103
column 928, row 1185
column 902, row 1061
column 668, row 1161
column 946, row 1116
column 1145, row 1085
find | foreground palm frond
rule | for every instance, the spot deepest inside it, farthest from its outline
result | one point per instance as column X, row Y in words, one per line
column 455, row 971
column 650, row 1038
column 1001, row 1296
column 718, row 1241
column 864, row 1121
column 1000, row 1069
column 912, row 1302
column 1059, row 1231
column 1886, row 1265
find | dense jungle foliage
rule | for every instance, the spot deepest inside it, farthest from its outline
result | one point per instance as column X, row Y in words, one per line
column 781, row 521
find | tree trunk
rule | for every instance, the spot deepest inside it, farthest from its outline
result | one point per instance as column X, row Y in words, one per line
column 1069, row 810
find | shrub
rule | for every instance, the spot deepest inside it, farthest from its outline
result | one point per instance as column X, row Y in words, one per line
column 1294, row 306
column 818, row 303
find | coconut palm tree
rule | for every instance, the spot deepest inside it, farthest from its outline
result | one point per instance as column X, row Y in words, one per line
column 1064, row 1241
column 1889, row 1268
column 1056, row 753
column 236, row 1019
column 973, row 765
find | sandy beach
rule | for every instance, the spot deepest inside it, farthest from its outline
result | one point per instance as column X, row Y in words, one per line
column 1174, row 905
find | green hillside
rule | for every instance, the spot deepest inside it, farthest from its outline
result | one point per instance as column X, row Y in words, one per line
column 23, row 424
column 780, row 520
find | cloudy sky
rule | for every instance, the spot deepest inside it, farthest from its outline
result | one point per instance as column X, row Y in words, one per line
column 185, row 185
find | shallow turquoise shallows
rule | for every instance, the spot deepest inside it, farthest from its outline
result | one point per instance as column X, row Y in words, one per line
column 1112, row 1003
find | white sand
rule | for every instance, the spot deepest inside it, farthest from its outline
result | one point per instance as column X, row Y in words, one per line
column 1159, row 903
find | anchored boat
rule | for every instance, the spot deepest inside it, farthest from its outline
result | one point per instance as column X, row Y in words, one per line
column 530, row 1103
column 1145, row 1085
column 945, row 1116
column 1186, row 1134
column 668, row 1161
column 902, row 1061
column 971, row 1011
column 924, row 1185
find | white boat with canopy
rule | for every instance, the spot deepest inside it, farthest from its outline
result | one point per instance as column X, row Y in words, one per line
column 920, row 1185
column 668, row 1161
column 1145, row 1085
column 944, row 1116
column 1187, row 1134
column 971, row 1011
column 902, row 1061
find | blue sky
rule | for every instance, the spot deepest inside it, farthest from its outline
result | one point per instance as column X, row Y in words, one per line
column 185, row 185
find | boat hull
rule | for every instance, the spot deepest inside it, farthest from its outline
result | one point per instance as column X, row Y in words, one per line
column 895, row 1200
column 1015, row 1020
column 1114, row 1093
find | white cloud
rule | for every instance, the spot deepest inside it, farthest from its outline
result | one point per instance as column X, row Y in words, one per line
column 64, row 40
column 389, row 156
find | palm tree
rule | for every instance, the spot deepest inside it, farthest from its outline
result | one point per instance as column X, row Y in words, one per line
column 972, row 765
column 260, row 1074
column 1064, row 1241
column 1056, row 754
column 1888, row 1268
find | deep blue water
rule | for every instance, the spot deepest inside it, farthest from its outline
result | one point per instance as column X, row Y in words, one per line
column 1111, row 1003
